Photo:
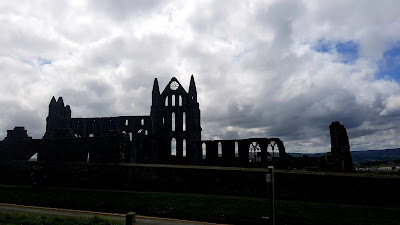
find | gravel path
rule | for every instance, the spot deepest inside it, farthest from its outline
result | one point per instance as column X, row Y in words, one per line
column 79, row 213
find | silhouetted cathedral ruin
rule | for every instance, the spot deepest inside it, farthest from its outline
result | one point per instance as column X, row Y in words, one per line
column 171, row 134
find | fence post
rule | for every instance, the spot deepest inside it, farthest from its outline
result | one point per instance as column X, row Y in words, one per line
column 271, row 194
column 130, row 218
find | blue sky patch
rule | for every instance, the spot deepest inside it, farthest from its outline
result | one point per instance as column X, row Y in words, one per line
column 43, row 61
column 323, row 46
column 348, row 51
column 389, row 65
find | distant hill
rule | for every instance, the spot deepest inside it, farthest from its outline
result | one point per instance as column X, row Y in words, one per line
column 364, row 156
column 376, row 155
column 308, row 154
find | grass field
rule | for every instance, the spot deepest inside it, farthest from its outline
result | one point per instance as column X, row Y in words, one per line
column 23, row 219
column 210, row 208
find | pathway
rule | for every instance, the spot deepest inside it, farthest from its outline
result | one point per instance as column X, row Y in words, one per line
column 145, row 220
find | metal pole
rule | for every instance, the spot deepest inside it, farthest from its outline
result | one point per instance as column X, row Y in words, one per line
column 271, row 194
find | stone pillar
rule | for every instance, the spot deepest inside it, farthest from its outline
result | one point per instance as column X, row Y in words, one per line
column 340, row 148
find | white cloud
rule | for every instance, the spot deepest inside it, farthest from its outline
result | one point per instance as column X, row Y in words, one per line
column 392, row 106
column 255, row 65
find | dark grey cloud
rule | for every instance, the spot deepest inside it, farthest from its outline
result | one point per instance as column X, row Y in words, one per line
column 124, row 9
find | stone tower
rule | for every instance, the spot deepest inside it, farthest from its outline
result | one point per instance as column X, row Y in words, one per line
column 58, row 117
column 175, row 129
column 340, row 148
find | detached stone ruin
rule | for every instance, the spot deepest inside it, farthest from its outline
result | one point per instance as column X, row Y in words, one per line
column 340, row 148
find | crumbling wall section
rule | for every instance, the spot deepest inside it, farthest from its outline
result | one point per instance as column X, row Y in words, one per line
column 252, row 152
column 17, row 145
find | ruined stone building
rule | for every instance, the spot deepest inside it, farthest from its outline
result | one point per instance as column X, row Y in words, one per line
column 171, row 134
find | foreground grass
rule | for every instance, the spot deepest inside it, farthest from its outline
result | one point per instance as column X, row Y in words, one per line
column 24, row 219
column 210, row 208
column 291, row 212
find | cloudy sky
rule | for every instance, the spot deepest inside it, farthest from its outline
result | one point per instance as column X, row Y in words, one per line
column 282, row 69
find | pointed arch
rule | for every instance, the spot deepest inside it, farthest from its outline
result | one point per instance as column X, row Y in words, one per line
column 273, row 144
column 166, row 101
column 254, row 152
column 173, row 100
column 34, row 157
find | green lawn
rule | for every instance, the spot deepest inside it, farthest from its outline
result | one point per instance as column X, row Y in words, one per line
column 23, row 219
column 210, row 208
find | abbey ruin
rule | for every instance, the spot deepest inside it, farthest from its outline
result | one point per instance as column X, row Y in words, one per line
column 171, row 134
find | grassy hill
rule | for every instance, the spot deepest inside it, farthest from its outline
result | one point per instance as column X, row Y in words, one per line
column 385, row 155
column 376, row 155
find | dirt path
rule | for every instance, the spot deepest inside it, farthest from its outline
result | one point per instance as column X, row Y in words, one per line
column 79, row 213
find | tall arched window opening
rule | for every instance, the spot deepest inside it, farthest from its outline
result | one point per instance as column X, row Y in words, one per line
column 173, row 122
column 219, row 149
column 254, row 152
column 236, row 149
column 173, row 146
column 204, row 150
column 184, row 121
column 184, row 148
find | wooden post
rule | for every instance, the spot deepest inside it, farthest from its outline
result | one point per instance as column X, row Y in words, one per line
column 130, row 218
